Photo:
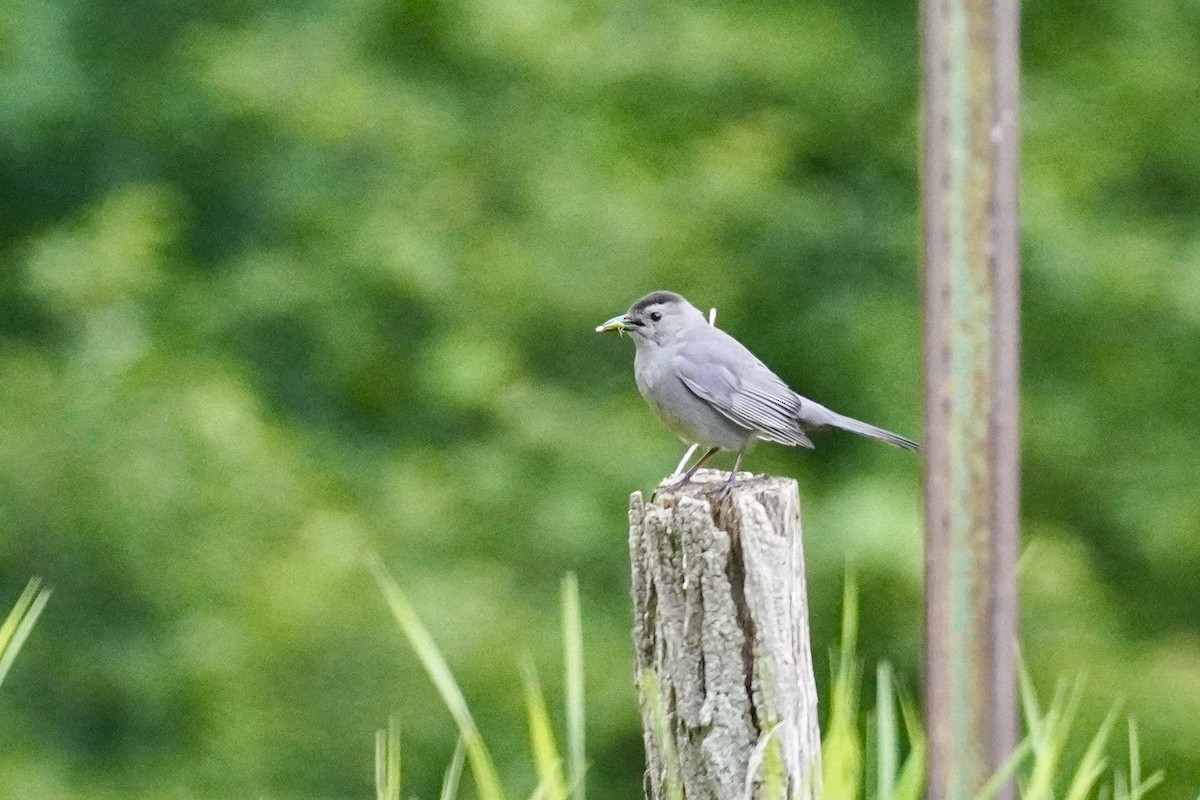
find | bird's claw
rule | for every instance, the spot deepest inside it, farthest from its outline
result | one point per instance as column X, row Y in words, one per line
column 677, row 485
column 725, row 492
column 670, row 488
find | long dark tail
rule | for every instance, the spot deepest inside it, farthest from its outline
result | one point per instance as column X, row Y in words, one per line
column 872, row 432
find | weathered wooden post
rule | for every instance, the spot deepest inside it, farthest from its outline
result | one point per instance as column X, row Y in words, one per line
column 725, row 678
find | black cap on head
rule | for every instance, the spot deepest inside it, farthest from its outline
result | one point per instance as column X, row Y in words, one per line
column 655, row 298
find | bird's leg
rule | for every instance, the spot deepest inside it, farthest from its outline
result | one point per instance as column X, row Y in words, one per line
column 683, row 461
column 687, row 476
column 724, row 492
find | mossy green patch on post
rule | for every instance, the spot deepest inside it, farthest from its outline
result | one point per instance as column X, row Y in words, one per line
column 664, row 738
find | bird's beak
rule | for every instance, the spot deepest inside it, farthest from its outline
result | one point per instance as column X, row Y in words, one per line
column 619, row 323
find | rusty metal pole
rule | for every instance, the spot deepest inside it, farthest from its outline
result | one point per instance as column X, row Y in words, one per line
column 969, row 204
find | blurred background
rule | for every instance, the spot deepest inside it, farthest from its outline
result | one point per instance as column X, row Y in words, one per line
column 284, row 283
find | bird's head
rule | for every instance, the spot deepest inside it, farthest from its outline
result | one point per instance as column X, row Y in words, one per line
column 656, row 318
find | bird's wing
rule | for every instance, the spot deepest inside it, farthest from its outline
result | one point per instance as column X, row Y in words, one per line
column 732, row 380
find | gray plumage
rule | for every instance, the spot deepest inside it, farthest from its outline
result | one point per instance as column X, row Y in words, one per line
column 710, row 390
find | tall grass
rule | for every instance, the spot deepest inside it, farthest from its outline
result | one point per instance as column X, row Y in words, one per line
column 1039, row 763
column 875, row 755
column 851, row 767
column 554, row 782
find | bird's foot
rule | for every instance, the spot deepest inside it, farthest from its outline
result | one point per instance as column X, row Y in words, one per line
column 673, row 487
column 726, row 491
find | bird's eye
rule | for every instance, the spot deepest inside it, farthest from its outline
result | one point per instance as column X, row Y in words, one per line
column 655, row 315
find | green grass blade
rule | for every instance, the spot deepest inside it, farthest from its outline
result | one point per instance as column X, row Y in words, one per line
column 1006, row 771
column 551, row 782
column 1138, row 787
column 387, row 761
column 766, row 764
column 19, row 623
column 1056, row 727
column 849, row 621
column 1029, row 706
column 453, row 773
column 1154, row 780
column 1135, row 760
column 1092, row 765
column 381, row 765
column 774, row 783
column 911, row 783
column 887, row 733
column 573, row 666
column 483, row 770
column 664, row 739
column 841, row 749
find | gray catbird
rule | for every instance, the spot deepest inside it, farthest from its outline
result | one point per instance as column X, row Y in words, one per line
column 709, row 389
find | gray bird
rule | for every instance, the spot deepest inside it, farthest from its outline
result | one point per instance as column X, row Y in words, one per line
column 710, row 390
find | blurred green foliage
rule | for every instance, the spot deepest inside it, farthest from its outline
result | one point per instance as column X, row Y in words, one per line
column 284, row 282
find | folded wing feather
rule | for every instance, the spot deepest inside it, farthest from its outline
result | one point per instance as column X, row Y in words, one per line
column 751, row 396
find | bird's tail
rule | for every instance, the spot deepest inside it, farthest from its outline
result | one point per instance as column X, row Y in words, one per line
column 872, row 432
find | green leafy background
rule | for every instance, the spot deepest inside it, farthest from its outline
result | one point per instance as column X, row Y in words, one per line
column 284, row 283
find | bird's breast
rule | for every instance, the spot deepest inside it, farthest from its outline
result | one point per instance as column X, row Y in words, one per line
column 687, row 416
